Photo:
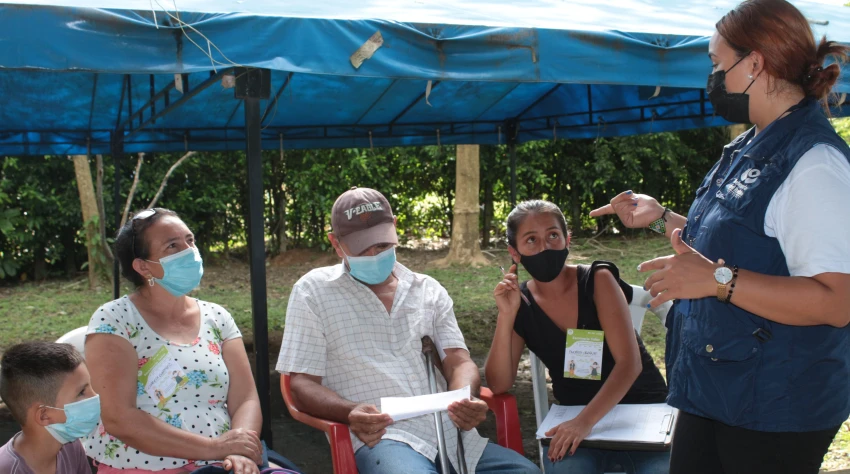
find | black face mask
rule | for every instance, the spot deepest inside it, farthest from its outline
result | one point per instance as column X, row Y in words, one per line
column 546, row 265
column 734, row 107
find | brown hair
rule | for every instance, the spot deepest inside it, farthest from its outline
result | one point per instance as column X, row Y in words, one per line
column 132, row 242
column 526, row 208
column 778, row 31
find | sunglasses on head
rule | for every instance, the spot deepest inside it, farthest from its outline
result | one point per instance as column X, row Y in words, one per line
column 143, row 215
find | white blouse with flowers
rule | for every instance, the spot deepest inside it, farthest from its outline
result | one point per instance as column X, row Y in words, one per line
column 184, row 385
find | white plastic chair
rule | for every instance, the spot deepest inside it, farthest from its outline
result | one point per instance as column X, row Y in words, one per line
column 637, row 308
column 76, row 338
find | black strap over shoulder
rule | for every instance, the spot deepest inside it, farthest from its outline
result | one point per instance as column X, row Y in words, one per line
column 586, row 281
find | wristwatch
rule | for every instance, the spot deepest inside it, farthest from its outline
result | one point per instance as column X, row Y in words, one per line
column 723, row 275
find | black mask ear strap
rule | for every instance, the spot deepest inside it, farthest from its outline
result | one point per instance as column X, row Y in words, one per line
column 738, row 61
column 748, row 87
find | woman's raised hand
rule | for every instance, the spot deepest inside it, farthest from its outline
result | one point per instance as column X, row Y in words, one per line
column 507, row 293
column 635, row 211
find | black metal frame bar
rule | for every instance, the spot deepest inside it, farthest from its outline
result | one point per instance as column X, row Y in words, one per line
column 387, row 130
column 273, row 103
column 187, row 96
column 93, row 95
column 271, row 133
column 411, row 105
column 252, row 94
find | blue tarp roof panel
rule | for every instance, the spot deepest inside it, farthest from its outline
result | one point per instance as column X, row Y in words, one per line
column 579, row 69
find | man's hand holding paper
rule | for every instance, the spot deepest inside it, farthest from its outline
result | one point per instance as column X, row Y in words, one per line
column 468, row 413
column 402, row 408
column 368, row 424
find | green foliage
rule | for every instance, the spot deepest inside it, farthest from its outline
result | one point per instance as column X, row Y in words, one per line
column 41, row 228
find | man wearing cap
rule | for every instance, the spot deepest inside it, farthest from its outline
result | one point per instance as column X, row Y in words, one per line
column 353, row 335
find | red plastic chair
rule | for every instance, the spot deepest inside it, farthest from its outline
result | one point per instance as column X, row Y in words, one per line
column 342, row 453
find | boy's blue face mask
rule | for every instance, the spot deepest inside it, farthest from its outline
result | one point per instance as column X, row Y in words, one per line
column 372, row 269
column 81, row 419
column 182, row 271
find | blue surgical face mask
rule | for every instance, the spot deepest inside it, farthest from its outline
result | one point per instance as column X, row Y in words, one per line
column 373, row 269
column 182, row 271
column 81, row 419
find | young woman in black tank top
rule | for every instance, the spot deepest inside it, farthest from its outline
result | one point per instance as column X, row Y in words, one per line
column 561, row 297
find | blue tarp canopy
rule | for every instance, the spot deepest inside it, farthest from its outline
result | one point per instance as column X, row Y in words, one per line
column 79, row 72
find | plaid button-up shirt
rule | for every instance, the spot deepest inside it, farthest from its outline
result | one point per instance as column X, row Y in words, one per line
column 338, row 329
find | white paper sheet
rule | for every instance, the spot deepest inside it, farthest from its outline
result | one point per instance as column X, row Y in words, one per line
column 650, row 423
column 402, row 408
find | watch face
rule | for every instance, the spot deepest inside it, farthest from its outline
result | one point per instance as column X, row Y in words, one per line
column 723, row 275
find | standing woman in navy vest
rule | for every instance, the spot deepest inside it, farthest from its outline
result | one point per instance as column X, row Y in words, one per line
column 758, row 341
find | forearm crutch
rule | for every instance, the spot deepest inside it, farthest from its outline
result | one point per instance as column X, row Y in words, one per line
column 428, row 349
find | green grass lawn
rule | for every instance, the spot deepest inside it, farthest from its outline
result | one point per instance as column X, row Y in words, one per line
column 45, row 311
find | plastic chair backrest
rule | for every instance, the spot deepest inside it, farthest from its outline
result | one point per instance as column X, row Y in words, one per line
column 76, row 338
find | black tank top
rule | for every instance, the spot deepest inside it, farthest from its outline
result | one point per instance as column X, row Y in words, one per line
column 546, row 340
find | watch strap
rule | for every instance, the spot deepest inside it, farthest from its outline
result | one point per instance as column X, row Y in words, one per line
column 659, row 225
column 731, row 284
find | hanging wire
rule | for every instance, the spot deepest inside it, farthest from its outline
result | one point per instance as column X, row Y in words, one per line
column 500, row 135
column 438, row 137
column 555, row 131
column 184, row 26
column 186, row 142
column 371, row 145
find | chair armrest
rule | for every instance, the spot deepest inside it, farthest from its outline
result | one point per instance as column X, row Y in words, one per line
column 342, row 451
column 507, row 419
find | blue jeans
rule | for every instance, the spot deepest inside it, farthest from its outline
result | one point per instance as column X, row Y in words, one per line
column 394, row 457
column 599, row 461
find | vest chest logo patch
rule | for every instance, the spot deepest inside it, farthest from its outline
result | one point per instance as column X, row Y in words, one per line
column 738, row 186
column 750, row 176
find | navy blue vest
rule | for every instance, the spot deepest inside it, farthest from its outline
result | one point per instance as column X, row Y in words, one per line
column 728, row 364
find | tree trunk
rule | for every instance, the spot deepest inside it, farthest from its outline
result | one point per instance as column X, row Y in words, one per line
column 88, row 203
column 67, row 238
column 279, row 198
column 39, row 270
column 100, row 207
column 575, row 209
column 737, row 129
column 488, row 212
column 464, row 247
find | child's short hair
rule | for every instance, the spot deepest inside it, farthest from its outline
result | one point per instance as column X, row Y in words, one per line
column 34, row 372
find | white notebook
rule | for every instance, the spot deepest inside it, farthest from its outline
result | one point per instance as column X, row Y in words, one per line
column 650, row 423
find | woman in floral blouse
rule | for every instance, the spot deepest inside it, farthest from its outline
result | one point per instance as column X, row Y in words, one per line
column 172, row 372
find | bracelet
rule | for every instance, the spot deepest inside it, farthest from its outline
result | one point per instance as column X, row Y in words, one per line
column 658, row 224
column 732, row 284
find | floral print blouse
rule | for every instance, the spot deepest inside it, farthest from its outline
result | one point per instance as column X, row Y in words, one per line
column 184, row 385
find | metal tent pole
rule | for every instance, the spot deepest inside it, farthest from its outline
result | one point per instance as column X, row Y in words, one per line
column 117, row 149
column 252, row 85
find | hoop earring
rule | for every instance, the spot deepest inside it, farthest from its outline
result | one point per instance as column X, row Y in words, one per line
column 150, row 280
